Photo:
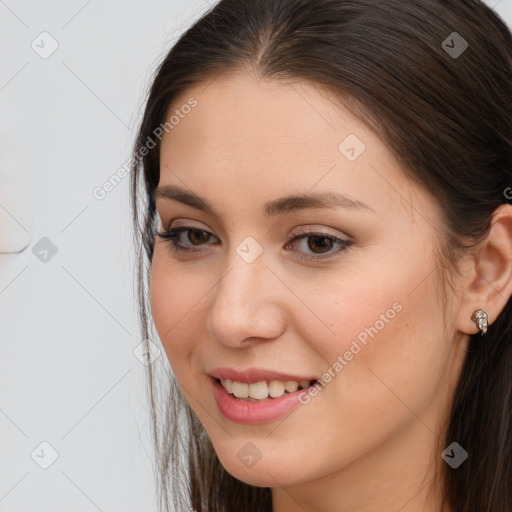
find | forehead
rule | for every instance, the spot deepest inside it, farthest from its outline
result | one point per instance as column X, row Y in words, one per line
column 245, row 119
column 264, row 138
column 251, row 118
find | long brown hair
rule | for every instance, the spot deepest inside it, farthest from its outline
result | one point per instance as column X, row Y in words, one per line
column 442, row 102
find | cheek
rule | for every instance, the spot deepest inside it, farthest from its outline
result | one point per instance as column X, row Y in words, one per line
column 388, row 349
column 174, row 299
column 385, row 318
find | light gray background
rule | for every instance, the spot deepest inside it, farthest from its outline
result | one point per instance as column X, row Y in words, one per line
column 69, row 326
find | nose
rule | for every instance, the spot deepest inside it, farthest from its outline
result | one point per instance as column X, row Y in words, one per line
column 246, row 305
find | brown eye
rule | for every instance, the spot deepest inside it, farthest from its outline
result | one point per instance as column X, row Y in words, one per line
column 320, row 244
column 185, row 238
column 198, row 236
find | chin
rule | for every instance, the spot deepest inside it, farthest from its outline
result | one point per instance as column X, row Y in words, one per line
column 266, row 473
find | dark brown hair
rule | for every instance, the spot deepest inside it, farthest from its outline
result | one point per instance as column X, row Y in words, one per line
column 447, row 119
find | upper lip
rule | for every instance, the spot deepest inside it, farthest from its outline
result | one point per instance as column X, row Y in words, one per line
column 252, row 375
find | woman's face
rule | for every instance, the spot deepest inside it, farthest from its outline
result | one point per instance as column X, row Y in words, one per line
column 348, row 294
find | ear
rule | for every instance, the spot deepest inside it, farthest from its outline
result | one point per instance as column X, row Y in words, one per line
column 489, row 280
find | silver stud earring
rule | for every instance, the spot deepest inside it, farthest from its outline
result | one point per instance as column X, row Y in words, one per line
column 481, row 319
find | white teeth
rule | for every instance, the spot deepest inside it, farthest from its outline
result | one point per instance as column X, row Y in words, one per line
column 228, row 385
column 259, row 390
column 241, row 389
column 276, row 388
column 291, row 386
column 262, row 390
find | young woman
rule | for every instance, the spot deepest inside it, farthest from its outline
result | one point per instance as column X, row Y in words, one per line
column 321, row 194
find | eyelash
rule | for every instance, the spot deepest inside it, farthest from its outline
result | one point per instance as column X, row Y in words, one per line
column 172, row 235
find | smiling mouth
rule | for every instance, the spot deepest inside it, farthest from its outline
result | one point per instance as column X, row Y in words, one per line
column 263, row 390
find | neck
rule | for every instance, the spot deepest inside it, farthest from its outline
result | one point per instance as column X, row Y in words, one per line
column 397, row 476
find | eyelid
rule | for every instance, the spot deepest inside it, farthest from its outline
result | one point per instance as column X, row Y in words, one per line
column 292, row 234
column 322, row 230
column 185, row 223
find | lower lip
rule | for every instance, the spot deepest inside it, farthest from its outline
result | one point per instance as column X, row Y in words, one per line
column 244, row 411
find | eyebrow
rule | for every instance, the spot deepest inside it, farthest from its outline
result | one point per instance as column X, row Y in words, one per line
column 274, row 207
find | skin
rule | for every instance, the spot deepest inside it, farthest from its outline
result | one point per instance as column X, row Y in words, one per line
column 367, row 441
